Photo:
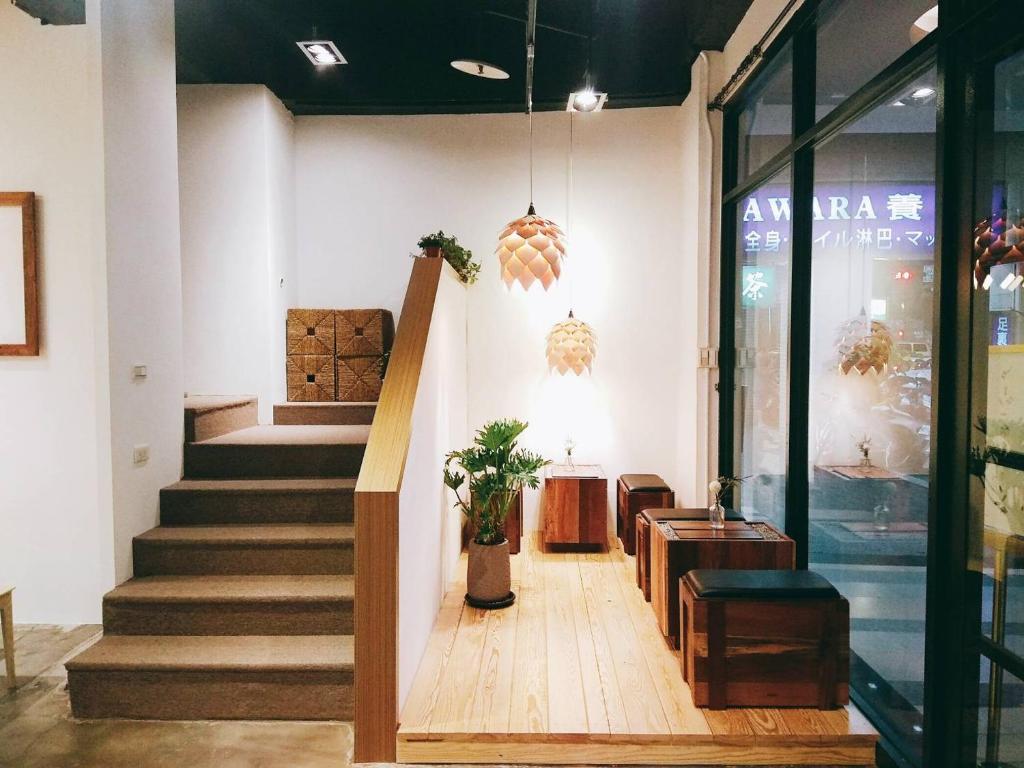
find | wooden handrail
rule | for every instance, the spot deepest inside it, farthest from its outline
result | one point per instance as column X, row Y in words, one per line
column 376, row 513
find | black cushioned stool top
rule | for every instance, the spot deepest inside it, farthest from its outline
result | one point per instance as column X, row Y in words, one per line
column 754, row 585
column 682, row 513
column 643, row 483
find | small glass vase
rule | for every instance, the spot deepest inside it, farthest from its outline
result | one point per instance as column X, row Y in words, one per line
column 716, row 516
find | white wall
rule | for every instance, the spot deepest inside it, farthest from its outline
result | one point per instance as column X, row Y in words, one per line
column 430, row 529
column 143, row 259
column 55, row 509
column 368, row 187
column 238, row 237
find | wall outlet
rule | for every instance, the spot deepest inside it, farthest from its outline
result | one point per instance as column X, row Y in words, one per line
column 140, row 454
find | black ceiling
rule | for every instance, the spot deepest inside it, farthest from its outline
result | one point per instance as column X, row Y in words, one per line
column 398, row 51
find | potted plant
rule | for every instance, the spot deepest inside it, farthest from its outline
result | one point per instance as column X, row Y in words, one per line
column 494, row 469
column 461, row 259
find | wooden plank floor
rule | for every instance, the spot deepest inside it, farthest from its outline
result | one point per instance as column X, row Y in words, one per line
column 577, row 672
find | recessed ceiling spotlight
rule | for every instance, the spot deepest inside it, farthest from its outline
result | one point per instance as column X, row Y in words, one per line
column 587, row 100
column 923, row 93
column 480, row 69
column 323, row 53
column 899, row 103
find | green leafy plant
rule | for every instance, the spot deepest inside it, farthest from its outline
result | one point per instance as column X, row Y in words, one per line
column 460, row 258
column 721, row 486
column 490, row 473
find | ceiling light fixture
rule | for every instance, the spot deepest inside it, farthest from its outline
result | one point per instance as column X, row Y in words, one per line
column 586, row 100
column 322, row 53
column 923, row 92
column 480, row 69
column 926, row 23
column 572, row 346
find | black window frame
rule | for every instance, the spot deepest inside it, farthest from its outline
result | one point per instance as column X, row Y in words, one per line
column 953, row 600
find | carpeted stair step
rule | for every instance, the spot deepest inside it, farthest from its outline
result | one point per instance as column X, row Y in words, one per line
column 208, row 416
column 214, row 678
column 258, row 500
column 297, row 549
column 324, row 413
column 230, row 605
column 279, row 451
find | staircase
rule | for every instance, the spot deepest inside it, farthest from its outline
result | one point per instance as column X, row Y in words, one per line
column 242, row 601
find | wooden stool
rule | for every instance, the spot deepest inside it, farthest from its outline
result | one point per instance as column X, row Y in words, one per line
column 643, row 537
column 635, row 494
column 764, row 639
column 7, row 625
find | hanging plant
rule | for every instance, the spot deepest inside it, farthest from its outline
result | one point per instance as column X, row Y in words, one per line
column 461, row 259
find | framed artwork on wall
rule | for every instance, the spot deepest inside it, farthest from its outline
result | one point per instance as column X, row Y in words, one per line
column 19, row 288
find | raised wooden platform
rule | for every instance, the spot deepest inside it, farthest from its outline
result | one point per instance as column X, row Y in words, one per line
column 577, row 672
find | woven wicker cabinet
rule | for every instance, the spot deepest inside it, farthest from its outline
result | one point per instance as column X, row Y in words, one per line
column 363, row 332
column 360, row 378
column 310, row 332
column 311, row 378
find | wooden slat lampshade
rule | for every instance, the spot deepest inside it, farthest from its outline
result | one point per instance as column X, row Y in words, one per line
column 572, row 346
column 531, row 249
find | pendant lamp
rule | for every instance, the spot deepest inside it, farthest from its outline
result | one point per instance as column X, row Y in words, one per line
column 864, row 345
column 531, row 248
column 572, row 346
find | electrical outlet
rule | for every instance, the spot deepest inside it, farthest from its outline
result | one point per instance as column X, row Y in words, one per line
column 140, row 454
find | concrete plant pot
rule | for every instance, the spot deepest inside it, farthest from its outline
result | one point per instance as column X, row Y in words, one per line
column 489, row 580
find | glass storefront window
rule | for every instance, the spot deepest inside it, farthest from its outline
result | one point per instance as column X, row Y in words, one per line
column 765, row 124
column 997, row 451
column 872, row 277
column 763, row 243
column 882, row 31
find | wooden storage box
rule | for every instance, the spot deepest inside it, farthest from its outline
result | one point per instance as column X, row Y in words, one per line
column 635, row 494
column 764, row 639
column 363, row 332
column 643, row 537
column 678, row 546
column 310, row 378
column 310, row 332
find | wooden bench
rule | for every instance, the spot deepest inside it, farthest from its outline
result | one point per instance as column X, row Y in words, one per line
column 776, row 638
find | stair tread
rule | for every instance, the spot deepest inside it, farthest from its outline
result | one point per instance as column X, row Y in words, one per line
column 346, row 404
column 294, row 434
column 217, row 652
column 266, row 485
column 250, row 534
column 207, row 403
column 230, row 589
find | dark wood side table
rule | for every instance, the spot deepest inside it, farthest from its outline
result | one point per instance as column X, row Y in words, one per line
column 679, row 546
column 576, row 505
column 643, row 537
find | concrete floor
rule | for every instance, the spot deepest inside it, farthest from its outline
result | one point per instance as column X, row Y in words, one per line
column 37, row 730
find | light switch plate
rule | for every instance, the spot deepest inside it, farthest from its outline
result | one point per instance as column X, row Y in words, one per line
column 139, row 372
column 140, row 454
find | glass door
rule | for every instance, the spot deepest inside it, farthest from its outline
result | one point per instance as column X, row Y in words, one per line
column 996, row 561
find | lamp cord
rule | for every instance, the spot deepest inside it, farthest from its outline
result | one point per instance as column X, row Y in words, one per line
column 568, row 208
column 531, row 158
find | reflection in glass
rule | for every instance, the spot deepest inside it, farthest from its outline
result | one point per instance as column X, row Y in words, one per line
column 765, row 124
column 872, row 282
column 763, row 244
column 883, row 31
column 997, row 514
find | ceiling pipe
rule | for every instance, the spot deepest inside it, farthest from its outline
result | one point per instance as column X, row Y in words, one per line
column 531, row 40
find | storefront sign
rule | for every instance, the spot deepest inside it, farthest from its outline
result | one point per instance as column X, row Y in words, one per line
column 1002, row 330
column 871, row 216
column 758, row 286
